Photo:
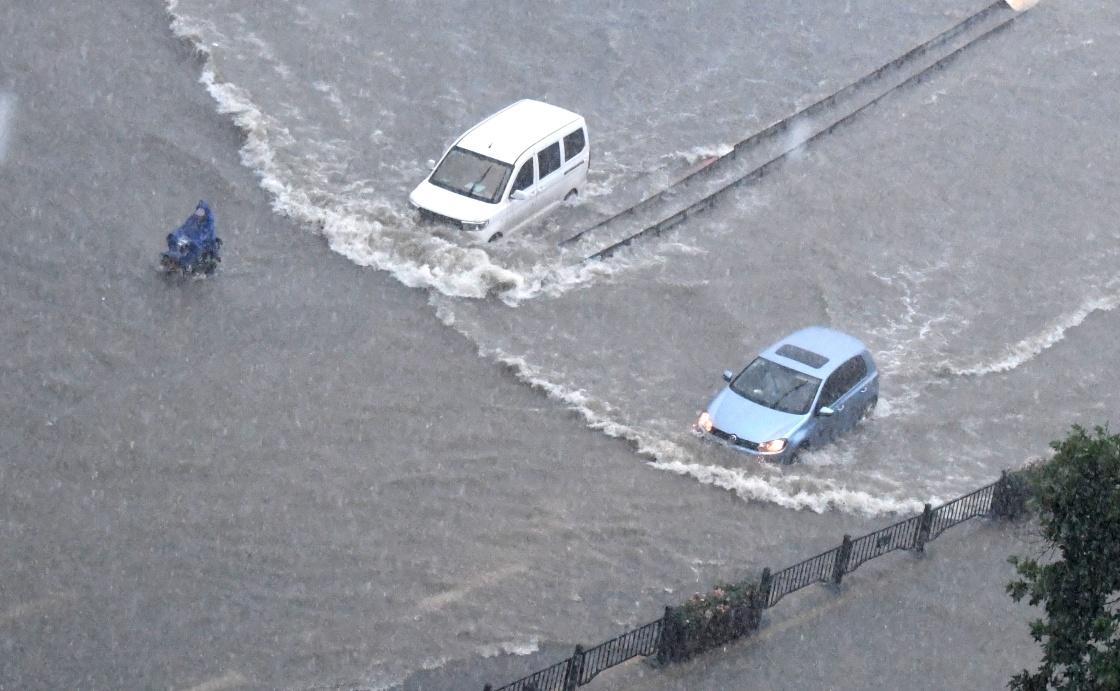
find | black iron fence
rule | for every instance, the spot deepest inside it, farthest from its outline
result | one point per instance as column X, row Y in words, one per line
column 732, row 611
column 585, row 665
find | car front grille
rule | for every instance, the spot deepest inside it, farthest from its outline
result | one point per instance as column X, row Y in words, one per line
column 745, row 443
column 433, row 217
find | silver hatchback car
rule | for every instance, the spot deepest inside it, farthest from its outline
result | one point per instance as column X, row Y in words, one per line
column 800, row 393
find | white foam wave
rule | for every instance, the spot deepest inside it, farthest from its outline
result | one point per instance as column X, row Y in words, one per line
column 902, row 333
column 685, row 250
column 510, row 648
column 369, row 233
column 702, row 153
column 799, row 492
column 1034, row 345
column 798, row 133
column 599, row 415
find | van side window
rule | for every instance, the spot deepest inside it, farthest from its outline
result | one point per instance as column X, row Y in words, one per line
column 573, row 144
column 549, row 159
column 524, row 179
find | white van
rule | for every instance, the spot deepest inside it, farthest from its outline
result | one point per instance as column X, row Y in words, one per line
column 507, row 170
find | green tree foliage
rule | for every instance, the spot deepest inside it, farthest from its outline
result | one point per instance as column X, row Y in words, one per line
column 1077, row 496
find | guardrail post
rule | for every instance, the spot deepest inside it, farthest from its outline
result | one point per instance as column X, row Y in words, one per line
column 759, row 600
column 669, row 636
column 1009, row 496
column 924, row 526
column 840, row 564
column 575, row 669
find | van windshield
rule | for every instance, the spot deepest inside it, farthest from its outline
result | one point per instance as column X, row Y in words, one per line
column 472, row 175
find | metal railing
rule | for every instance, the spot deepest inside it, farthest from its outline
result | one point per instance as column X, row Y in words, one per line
column 902, row 535
column 671, row 642
column 813, row 570
column 961, row 509
column 641, row 641
column 554, row 678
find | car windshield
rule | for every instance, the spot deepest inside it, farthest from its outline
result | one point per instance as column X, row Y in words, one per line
column 774, row 386
column 472, row 175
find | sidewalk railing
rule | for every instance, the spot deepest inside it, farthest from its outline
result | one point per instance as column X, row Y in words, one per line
column 733, row 611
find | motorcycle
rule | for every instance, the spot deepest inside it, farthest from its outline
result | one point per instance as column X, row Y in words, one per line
column 193, row 247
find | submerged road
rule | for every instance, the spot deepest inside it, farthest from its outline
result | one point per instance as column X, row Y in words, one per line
column 290, row 475
column 294, row 476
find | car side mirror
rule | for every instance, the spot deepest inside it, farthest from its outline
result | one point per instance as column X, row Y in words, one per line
column 825, row 411
column 431, row 164
column 728, row 375
column 518, row 195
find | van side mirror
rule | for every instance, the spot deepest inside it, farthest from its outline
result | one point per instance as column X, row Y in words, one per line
column 728, row 375
column 825, row 411
column 518, row 195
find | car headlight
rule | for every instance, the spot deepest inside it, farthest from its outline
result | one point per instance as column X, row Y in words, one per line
column 705, row 422
column 772, row 446
column 473, row 225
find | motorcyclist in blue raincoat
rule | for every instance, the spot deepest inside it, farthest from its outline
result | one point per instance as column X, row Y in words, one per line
column 192, row 247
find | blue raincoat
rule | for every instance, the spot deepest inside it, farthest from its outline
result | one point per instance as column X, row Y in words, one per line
column 193, row 246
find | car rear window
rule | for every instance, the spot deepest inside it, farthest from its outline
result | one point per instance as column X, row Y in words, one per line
column 805, row 357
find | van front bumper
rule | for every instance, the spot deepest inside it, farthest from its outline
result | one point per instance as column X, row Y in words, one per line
column 474, row 232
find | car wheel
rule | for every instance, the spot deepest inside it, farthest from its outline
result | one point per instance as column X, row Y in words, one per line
column 869, row 411
column 495, row 237
column 795, row 457
column 571, row 194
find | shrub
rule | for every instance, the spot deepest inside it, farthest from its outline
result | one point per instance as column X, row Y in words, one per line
column 709, row 620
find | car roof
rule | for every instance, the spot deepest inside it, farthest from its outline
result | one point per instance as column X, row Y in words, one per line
column 830, row 343
column 505, row 135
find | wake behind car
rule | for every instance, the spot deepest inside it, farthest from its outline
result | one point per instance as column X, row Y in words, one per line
column 506, row 171
column 800, row 393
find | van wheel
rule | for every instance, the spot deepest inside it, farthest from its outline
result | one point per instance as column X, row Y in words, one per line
column 495, row 237
column 571, row 195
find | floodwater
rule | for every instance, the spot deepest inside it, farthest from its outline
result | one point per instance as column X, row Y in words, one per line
column 363, row 450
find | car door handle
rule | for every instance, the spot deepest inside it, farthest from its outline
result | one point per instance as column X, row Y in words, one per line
column 863, row 390
column 839, row 408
